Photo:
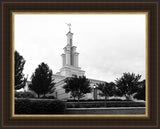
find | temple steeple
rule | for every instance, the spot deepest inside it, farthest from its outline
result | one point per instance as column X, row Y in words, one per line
column 69, row 35
column 69, row 38
column 70, row 57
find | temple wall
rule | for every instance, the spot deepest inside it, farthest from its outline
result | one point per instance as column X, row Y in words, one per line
column 60, row 91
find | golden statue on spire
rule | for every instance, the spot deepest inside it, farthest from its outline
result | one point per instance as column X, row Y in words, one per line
column 69, row 25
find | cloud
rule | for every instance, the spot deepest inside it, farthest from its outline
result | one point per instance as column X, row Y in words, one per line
column 109, row 45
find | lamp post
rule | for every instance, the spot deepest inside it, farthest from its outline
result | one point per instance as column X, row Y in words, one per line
column 95, row 92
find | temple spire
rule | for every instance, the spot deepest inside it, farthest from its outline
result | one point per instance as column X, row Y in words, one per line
column 69, row 25
column 69, row 35
column 70, row 65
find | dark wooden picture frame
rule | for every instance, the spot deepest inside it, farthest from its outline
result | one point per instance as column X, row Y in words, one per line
column 6, row 57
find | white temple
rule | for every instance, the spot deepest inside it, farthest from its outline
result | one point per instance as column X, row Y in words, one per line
column 70, row 68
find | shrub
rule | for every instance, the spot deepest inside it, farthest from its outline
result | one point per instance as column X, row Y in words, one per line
column 39, row 106
column 139, row 96
column 24, row 95
column 48, row 97
column 91, row 100
column 22, row 106
column 97, row 104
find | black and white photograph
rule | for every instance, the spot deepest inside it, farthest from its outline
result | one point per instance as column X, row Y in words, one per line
column 80, row 64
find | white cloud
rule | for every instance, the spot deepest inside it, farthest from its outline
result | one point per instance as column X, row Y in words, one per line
column 109, row 45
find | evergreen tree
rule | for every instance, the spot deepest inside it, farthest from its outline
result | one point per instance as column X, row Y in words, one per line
column 20, row 80
column 42, row 81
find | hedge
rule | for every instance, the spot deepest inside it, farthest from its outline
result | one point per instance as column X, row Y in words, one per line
column 97, row 104
column 47, row 97
column 39, row 106
column 24, row 95
column 89, row 100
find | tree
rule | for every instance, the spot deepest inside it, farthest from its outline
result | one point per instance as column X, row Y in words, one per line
column 128, row 84
column 20, row 80
column 42, row 81
column 107, row 89
column 77, row 86
column 141, row 92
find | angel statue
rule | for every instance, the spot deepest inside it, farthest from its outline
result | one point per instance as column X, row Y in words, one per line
column 69, row 25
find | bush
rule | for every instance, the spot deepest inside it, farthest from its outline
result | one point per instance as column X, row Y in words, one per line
column 140, row 96
column 91, row 100
column 48, row 97
column 118, row 100
column 24, row 95
column 97, row 104
column 39, row 106
column 22, row 106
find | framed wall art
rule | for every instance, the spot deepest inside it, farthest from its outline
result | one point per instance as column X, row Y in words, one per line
column 73, row 64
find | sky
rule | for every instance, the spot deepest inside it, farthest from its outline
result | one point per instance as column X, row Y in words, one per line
column 108, row 44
